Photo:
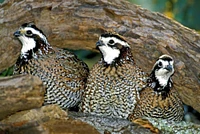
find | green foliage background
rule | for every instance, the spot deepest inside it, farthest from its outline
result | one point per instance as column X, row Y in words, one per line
column 187, row 12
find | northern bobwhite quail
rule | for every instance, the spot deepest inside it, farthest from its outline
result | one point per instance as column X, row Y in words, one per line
column 63, row 74
column 113, row 82
column 159, row 99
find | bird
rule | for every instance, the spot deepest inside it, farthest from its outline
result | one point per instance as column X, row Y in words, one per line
column 159, row 99
column 62, row 73
column 114, row 81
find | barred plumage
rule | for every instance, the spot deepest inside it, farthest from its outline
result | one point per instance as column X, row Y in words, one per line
column 159, row 99
column 63, row 74
column 113, row 83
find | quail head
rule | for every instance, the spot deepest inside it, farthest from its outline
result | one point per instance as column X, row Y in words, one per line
column 113, row 82
column 159, row 99
column 63, row 74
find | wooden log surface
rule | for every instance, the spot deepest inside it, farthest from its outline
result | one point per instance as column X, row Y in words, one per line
column 19, row 93
column 52, row 119
column 44, row 120
column 78, row 24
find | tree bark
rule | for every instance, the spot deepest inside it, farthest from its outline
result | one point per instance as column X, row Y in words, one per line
column 43, row 120
column 78, row 24
column 20, row 93
column 52, row 119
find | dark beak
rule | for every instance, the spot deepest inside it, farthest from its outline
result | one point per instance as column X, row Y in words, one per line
column 99, row 43
column 169, row 68
column 17, row 33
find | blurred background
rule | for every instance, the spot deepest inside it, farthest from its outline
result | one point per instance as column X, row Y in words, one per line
column 187, row 12
column 184, row 11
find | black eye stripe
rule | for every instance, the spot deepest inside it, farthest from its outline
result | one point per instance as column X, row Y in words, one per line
column 29, row 32
column 111, row 41
column 113, row 35
column 160, row 64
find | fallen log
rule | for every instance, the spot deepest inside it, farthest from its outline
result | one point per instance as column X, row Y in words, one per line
column 19, row 93
column 77, row 25
column 52, row 119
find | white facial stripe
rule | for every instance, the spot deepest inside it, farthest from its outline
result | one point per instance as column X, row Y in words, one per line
column 171, row 63
column 162, row 74
column 27, row 44
column 37, row 33
column 106, row 41
column 165, row 63
column 109, row 54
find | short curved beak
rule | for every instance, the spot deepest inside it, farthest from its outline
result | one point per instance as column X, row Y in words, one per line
column 169, row 68
column 99, row 43
column 17, row 33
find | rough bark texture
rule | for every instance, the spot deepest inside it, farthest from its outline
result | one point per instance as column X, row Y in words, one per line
column 107, row 125
column 20, row 93
column 45, row 120
column 52, row 119
column 77, row 25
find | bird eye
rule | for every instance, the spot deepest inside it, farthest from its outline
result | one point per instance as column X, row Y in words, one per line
column 111, row 41
column 160, row 64
column 29, row 32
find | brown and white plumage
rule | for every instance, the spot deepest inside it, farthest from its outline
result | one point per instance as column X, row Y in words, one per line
column 159, row 99
column 63, row 74
column 113, row 83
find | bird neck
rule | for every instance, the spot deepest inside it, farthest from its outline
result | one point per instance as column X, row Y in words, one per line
column 124, row 57
column 158, row 88
column 40, row 49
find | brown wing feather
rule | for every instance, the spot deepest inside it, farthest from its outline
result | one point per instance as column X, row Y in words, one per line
column 112, row 91
column 63, row 74
column 152, row 104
